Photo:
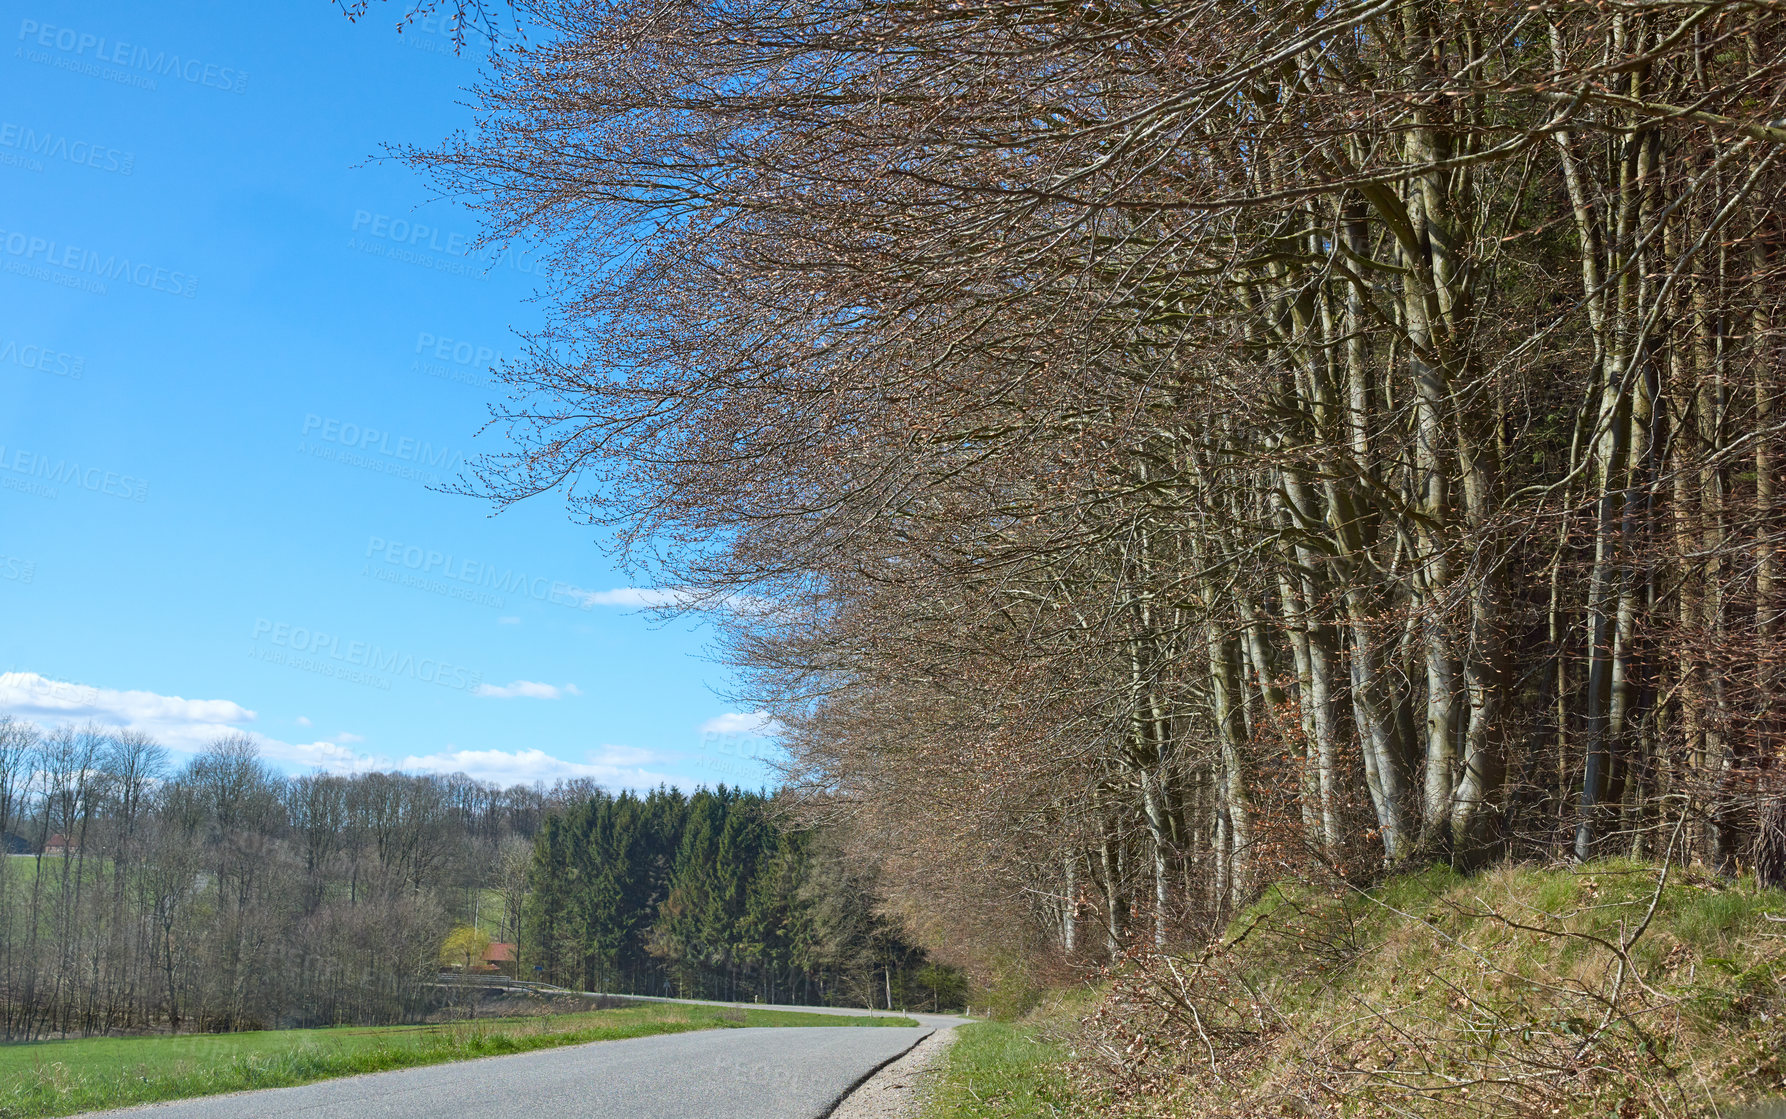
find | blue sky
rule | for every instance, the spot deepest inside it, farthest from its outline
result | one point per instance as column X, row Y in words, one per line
column 235, row 352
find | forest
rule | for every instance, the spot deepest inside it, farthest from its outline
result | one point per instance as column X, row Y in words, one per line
column 1143, row 451
column 706, row 896
column 1269, row 511
column 137, row 896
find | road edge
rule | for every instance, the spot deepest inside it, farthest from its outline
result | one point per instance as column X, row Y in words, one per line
column 890, row 1102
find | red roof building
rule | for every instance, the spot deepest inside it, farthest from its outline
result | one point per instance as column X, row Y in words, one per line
column 499, row 957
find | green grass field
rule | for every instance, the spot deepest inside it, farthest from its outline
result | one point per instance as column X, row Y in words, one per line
column 64, row 1077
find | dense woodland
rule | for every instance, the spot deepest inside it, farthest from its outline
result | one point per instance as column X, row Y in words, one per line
column 707, row 897
column 1144, row 448
column 223, row 895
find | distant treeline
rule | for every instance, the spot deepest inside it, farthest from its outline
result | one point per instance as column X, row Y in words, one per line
column 710, row 896
column 222, row 895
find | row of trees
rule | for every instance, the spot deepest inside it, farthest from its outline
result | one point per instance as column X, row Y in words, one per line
column 1138, row 447
column 708, row 896
column 222, row 895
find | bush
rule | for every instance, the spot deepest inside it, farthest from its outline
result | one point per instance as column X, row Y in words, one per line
column 1013, row 991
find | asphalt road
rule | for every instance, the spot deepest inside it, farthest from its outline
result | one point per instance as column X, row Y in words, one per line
column 797, row 1072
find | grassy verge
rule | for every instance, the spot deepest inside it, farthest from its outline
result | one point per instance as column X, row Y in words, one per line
column 64, row 1077
column 1599, row 991
column 1009, row 1069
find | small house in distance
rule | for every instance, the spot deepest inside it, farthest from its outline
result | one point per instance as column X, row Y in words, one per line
column 60, row 845
column 499, row 958
column 14, row 844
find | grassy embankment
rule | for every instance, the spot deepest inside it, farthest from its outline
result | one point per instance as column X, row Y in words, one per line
column 64, row 1077
column 1520, row 992
column 1012, row 1070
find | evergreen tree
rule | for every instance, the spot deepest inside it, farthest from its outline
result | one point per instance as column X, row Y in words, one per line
column 707, row 896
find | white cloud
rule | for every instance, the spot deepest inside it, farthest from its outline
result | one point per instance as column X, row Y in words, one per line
column 302, row 720
column 525, row 689
column 651, row 597
column 182, row 724
column 188, row 726
column 612, row 765
column 636, row 596
column 330, row 757
column 611, row 754
column 754, row 723
column 508, row 620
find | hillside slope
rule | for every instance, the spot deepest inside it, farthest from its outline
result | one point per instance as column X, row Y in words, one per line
column 1605, row 990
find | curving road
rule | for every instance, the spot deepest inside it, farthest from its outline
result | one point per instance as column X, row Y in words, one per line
column 795, row 1072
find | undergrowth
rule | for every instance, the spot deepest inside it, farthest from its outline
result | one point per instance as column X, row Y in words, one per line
column 1605, row 990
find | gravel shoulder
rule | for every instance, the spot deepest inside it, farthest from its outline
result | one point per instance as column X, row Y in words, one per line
column 899, row 1089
